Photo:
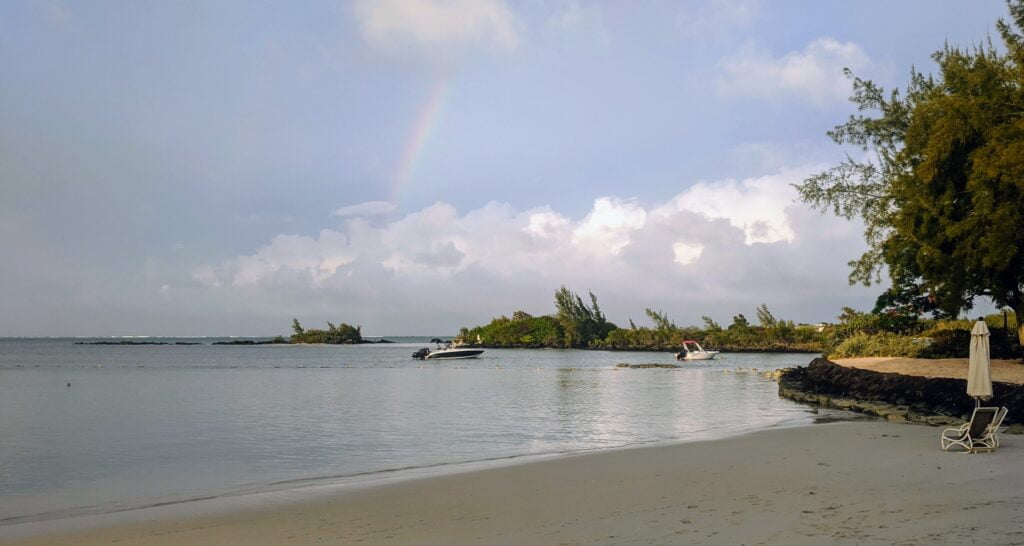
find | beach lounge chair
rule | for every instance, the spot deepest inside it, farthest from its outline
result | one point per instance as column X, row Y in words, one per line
column 980, row 433
column 998, row 422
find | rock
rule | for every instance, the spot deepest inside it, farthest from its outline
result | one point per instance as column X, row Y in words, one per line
column 942, row 421
column 843, row 403
column 646, row 366
column 936, row 401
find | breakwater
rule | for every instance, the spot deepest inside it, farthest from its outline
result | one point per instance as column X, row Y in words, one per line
column 893, row 396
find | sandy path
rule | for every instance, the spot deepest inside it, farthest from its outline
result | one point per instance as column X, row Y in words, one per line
column 843, row 483
column 1007, row 371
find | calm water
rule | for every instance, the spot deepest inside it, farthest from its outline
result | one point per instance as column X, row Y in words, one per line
column 149, row 424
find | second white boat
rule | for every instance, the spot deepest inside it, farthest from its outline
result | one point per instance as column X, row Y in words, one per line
column 695, row 353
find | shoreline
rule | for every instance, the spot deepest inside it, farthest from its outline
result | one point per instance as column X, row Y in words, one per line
column 851, row 482
column 230, row 501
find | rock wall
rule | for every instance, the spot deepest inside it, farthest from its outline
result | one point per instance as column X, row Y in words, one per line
column 936, row 401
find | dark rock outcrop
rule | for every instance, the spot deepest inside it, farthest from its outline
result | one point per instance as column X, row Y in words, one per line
column 126, row 342
column 936, row 401
column 646, row 366
column 275, row 341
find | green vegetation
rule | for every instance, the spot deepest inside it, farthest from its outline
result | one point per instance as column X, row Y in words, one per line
column 874, row 334
column 770, row 335
column 941, row 191
column 341, row 334
column 577, row 325
column 894, row 328
column 581, row 325
column 880, row 344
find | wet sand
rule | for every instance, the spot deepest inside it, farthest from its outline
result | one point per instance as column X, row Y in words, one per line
column 1006, row 371
column 844, row 483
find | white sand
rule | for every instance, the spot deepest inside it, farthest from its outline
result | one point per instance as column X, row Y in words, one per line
column 1006, row 371
column 846, row 483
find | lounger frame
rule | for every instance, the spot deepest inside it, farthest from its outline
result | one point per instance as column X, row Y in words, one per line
column 981, row 433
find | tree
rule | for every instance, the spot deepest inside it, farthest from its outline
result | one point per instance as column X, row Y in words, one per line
column 941, row 188
column 582, row 325
column 661, row 321
column 334, row 334
column 739, row 322
column 710, row 325
column 521, row 315
column 765, row 317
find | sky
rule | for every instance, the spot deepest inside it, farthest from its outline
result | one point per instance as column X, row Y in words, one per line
column 415, row 166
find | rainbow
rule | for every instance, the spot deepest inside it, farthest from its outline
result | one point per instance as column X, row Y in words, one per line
column 426, row 120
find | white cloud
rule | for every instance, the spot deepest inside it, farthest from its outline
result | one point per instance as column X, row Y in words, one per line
column 755, row 205
column 369, row 208
column 207, row 276
column 608, row 227
column 319, row 258
column 718, row 248
column 404, row 25
column 687, row 253
column 816, row 73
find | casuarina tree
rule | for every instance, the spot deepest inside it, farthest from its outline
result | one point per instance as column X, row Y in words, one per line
column 939, row 182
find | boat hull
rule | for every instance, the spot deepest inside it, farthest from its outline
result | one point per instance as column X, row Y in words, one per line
column 455, row 354
column 694, row 355
column 708, row 355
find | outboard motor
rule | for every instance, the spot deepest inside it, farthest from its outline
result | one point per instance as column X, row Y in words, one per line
column 421, row 354
column 681, row 355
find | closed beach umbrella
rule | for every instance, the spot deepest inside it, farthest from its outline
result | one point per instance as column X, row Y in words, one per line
column 979, row 373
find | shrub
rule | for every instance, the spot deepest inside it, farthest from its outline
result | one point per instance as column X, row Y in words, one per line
column 880, row 344
column 956, row 343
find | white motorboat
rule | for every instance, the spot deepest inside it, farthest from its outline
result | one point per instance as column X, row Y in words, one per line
column 693, row 351
column 447, row 351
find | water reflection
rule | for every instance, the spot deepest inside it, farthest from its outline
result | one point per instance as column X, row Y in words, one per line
column 201, row 420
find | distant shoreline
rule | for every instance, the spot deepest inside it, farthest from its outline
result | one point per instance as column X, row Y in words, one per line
column 261, row 342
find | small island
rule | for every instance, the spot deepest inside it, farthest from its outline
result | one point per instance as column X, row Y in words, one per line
column 341, row 334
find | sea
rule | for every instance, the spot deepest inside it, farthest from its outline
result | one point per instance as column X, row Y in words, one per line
column 101, row 429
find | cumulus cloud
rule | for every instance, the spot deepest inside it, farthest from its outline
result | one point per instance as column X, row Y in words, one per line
column 687, row 253
column 369, row 208
column 608, row 226
column 412, row 25
column 718, row 247
column 816, row 73
column 755, row 205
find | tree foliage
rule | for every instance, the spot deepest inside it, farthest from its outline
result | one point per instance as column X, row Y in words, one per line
column 576, row 324
column 661, row 321
column 710, row 325
column 940, row 183
column 334, row 334
column 581, row 324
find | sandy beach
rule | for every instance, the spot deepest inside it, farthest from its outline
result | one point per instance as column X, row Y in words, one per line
column 846, row 483
column 1006, row 371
